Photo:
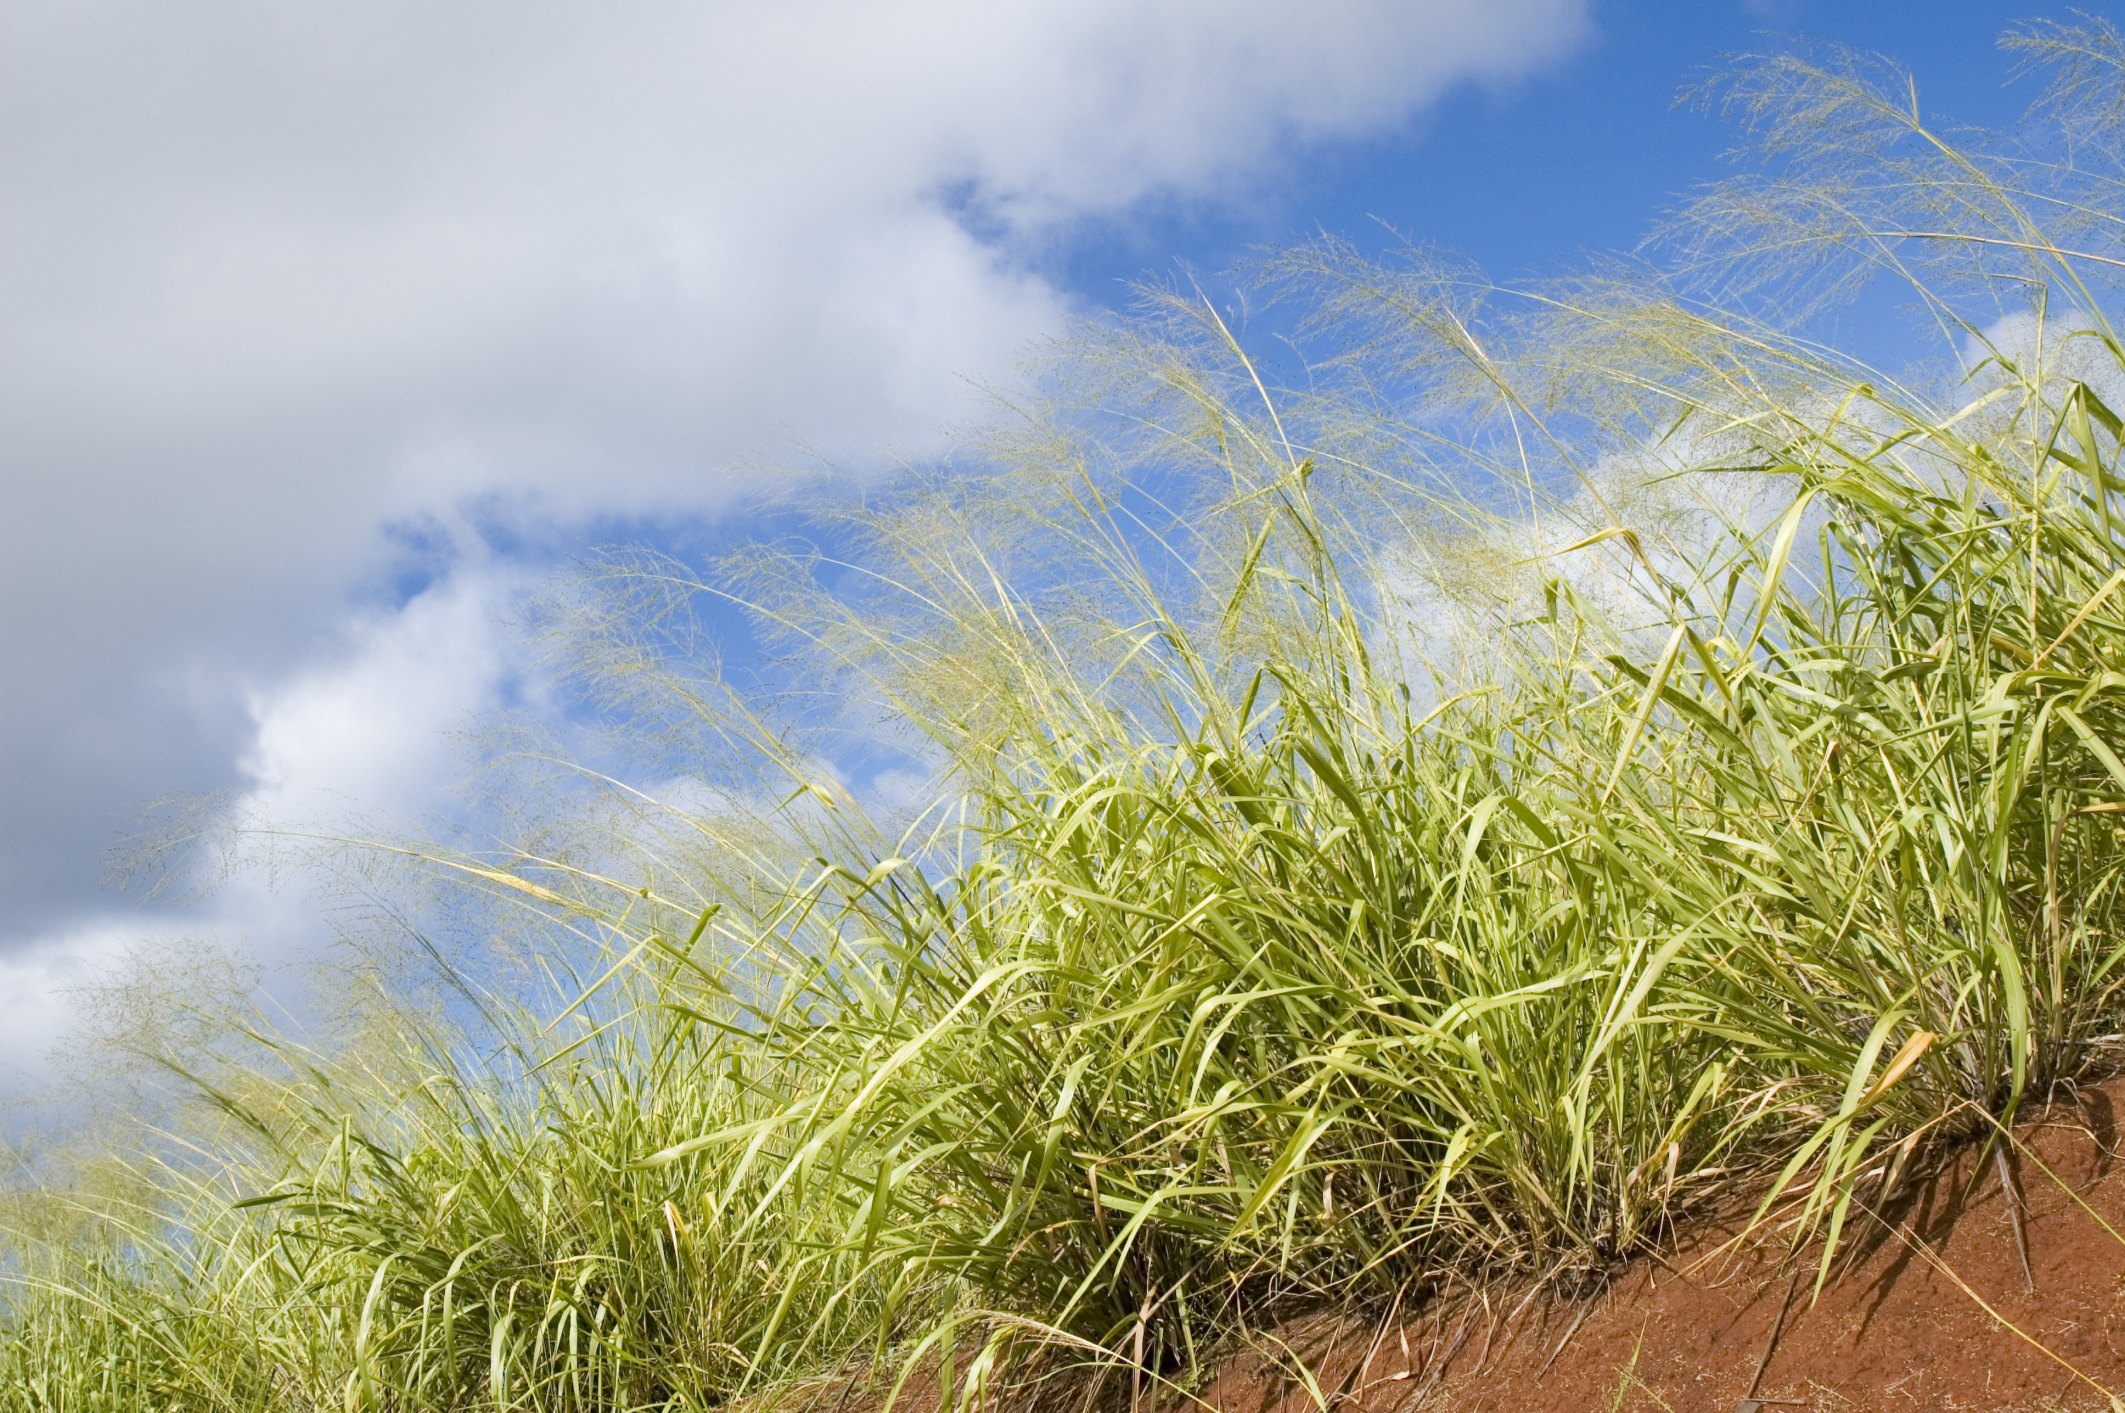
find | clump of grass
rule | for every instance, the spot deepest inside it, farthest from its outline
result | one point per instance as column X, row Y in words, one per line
column 404, row 1221
column 1585, row 750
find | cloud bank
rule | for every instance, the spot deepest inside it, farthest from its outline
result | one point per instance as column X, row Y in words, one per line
column 275, row 280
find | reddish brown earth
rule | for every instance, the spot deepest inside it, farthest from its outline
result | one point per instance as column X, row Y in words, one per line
column 1903, row 1324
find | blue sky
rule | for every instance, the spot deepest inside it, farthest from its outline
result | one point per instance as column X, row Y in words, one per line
column 1580, row 156
column 325, row 335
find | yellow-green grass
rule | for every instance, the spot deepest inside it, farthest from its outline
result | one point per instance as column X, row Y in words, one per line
column 1582, row 751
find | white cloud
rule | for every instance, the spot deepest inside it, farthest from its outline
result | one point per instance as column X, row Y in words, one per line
column 36, row 986
column 2052, row 352
column 273, row 277
column 369, row 737
column 373, row 731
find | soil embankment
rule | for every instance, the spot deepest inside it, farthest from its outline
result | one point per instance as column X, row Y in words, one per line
column 1934, row 1311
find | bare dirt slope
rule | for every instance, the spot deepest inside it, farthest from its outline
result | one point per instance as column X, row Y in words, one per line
column 1934, row 1311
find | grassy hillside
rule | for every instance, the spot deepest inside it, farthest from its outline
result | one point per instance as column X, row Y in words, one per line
column 1442, row 812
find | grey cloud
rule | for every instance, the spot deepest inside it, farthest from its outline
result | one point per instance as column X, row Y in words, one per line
column 273, row 276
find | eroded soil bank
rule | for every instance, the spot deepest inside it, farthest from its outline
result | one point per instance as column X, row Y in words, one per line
column 1935, row 1312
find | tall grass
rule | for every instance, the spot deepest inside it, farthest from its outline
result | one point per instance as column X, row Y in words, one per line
column 1581, row 753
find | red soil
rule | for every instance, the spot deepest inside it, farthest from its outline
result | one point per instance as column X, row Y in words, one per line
column 1902, row 1324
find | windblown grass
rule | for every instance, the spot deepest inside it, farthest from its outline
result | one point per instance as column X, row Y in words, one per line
column 1584, row 750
